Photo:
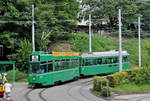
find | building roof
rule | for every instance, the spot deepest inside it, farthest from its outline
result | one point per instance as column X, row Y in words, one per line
column 103, row 54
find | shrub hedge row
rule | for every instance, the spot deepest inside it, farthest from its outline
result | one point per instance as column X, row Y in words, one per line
column 136, row 75
column 100, row 84
column 117, row 78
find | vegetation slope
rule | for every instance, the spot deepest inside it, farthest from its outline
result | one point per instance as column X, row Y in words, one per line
column 80, row 43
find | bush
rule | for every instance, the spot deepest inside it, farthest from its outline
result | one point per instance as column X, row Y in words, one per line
column 117, row 78
column 19, row 76
column 136, row 75
column 139, row 75
column 105, row 92
column 99, row 83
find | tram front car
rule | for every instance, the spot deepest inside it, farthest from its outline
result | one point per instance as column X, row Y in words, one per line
column 38, row 67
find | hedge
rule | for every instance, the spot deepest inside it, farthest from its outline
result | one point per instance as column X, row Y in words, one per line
column 117, row 78
column 137, row 75
column 100, row 84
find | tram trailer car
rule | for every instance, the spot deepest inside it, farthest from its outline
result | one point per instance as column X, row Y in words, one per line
column 48, row 69
column 102, row 62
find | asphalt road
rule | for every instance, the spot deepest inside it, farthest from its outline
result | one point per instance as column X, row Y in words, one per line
column 70, row 91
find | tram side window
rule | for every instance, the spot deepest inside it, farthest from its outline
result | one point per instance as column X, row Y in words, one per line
column 115, row 60
column 43, row 68
column 65, row 64
column 75, row 63
column 83, row 62
column 94, row 61
column 50, row 66
column 104, row 61
column 110, row 60
column 125, row 59
column 58, row 65
column 88, row 62
column 99, row 61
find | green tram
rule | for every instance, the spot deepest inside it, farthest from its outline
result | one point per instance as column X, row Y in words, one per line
column 48, row 69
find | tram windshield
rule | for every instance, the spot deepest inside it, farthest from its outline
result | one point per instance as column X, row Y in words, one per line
column 39, row 68
column 34, row 67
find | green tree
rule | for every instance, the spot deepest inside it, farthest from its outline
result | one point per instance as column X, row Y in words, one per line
column 107, row 11
column 52, row 18
column 21, row 55
column 144, row 9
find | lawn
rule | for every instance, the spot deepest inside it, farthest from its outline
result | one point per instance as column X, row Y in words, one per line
column 132, row 87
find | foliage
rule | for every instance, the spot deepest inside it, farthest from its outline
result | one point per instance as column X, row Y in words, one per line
column 21, row 55
column 100, row 84
column 144, row 9
column 106, row 92
column 19, row 76
column 52, row 17
column 117, row 78
column 130, row 80
column 137, row 76
column 80, row 43
column 107, row 11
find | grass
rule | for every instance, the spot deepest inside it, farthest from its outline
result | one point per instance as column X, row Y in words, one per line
column 80, row 43
column 19, row 76
column 132, row 87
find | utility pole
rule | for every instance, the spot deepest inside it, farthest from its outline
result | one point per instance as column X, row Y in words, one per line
column 139, row 32
column 90, row 49
column 33, row 40
column 120, row 43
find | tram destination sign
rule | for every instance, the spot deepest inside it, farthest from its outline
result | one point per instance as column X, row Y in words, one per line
column 35, row 58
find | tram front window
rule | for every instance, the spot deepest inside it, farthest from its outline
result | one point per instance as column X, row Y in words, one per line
column 35, row 68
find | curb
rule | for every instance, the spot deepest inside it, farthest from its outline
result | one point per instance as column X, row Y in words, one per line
column 131, row 92
column 119, row 93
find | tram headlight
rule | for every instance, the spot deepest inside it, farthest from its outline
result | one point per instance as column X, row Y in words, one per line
column 33, row 78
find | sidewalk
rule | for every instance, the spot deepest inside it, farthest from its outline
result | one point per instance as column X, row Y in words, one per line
column 132, row 97
column 4, row 100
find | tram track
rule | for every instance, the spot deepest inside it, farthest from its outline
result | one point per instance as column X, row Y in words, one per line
column 82, row 84
column 81, row 92
column 27, row 95
column 28, row 98
column 40, row 94
column 70, row 95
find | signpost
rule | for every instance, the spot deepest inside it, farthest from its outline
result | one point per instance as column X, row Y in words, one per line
column 120, row 43
column 1, row 50
column 139, row 36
